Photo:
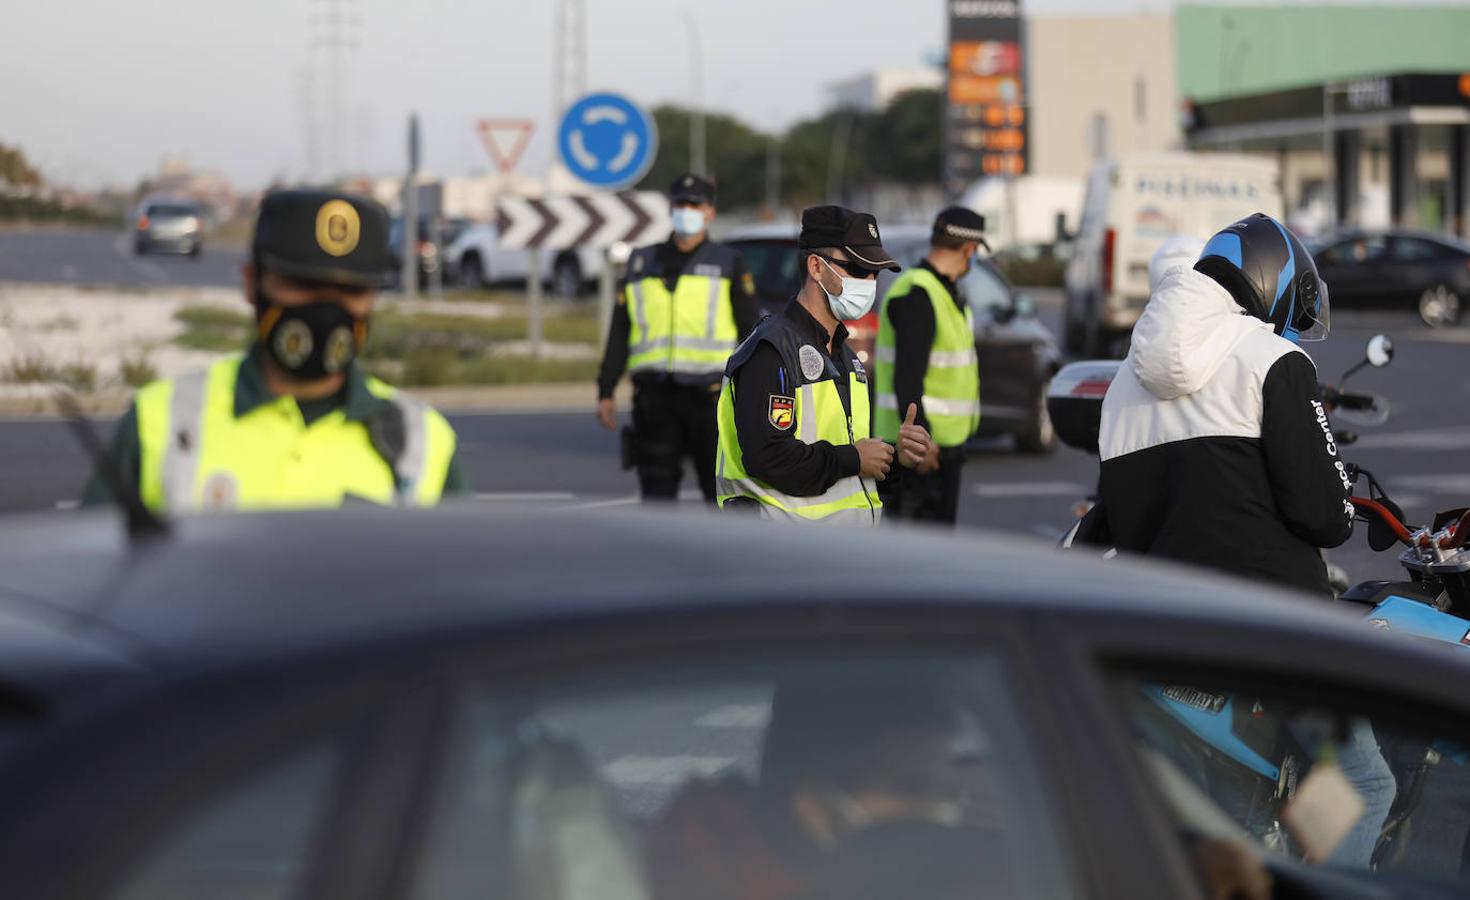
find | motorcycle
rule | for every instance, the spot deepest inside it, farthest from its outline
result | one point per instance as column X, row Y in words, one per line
column 1249, row 756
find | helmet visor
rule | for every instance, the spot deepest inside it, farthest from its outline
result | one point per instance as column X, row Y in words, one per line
column 1313, row 323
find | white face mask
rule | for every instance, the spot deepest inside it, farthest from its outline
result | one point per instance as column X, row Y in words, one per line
column 856, row 298
column 688, row 221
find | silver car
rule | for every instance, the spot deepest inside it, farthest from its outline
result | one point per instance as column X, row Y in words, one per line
column 169, row 226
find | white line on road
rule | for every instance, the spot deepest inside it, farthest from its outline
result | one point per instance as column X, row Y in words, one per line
column 600, row 504
column 1030, row 489
column 543, row 496
column 1456, row 438
column 1456, row 483
column 631, row 770
column 68, row 504
column 736, row 715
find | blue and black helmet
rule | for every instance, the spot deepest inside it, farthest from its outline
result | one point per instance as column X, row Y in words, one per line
column 1271, row 274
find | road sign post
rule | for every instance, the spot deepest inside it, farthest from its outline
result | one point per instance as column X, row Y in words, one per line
column 607, row 141
column 533, row 303
column 410, row 271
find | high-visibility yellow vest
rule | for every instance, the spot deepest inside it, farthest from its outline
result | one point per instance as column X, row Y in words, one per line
column 952, row 382
column 817, row 415
column 197, row 456
column 689, row 330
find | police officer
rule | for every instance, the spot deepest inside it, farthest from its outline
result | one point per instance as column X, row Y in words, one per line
column 925, row 356
column 795, row 437
column 682, row 308
column 294, row 421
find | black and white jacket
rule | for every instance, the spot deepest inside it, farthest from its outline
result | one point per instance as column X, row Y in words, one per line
column 1215, row 447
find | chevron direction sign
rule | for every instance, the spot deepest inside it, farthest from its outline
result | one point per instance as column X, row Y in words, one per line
column 594, row 220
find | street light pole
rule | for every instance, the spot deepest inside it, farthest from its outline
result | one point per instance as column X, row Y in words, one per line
column 696, row 80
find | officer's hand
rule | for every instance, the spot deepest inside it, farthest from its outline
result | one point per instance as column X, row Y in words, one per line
column 876, row 458
column 607, row 413
column 931, row 460
column 914, row 445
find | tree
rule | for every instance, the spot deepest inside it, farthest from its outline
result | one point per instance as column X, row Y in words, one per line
column 906, row 143
column 15, row 170
column 734, row 152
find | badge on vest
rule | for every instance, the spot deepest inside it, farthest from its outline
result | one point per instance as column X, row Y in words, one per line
column 812, row 364
column 221, row 492
column 783, row 411
column 859, row 370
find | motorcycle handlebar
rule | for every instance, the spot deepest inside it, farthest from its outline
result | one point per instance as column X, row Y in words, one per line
column 1345, row 400
column 1364, row 505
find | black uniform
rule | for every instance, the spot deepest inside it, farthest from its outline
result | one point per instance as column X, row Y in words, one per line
column 758, row 371
column 673, row 413
column 934, row 496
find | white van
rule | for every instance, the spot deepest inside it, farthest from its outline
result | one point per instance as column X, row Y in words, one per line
column 1132, row 205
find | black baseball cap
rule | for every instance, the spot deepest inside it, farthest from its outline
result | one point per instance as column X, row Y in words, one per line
column 854, row 232
column 691, row 187
column 962, row 223
column 326, row 236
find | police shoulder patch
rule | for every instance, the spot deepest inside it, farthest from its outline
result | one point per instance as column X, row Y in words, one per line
column 747, row 282
column 782, row 411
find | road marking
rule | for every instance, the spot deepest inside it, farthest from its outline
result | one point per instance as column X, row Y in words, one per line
column 1457, row 483
column 527, row 495
column 996, row 490
column 600, row 504
column 1050, row 532
column 1456, row 438
column 68, row 504
column 634, row 770
column 736, row 715
column 1438, row 336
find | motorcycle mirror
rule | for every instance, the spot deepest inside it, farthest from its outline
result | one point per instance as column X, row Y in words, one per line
column 1380, row 535
column 1380, row 350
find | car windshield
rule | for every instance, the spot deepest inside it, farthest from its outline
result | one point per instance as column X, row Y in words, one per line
column 172, row 210
column 773, row 265
column 984, row 289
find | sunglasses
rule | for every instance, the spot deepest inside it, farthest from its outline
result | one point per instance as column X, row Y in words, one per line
column 851, row 268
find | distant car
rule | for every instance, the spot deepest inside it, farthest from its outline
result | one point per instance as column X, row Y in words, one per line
column 169, row 226
column 428, row 250
column 475, row 259
column 1427, row 273
column 1018, row 355
column 481, row 703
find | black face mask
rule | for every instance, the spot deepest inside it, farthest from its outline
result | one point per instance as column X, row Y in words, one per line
column 308, row 342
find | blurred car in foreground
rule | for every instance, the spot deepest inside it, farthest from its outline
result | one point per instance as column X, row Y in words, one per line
column 1018, row 354
column 448, row 704
column 1401, row 270
column 168, row 226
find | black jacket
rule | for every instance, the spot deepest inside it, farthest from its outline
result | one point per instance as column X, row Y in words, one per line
column 1215, row 447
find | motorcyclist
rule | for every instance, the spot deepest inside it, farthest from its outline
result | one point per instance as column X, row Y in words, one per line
column 1215, row 445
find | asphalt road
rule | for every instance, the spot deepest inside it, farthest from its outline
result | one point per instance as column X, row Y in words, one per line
column 564, row 459
column 105, row 257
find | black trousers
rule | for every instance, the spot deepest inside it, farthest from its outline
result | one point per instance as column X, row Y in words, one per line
column 927, row 498
column 670, row 422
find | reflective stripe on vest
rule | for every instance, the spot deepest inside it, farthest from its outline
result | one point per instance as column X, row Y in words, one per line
column 691, row 330
column 951, row 395
column 818, row 416
column 196, row 455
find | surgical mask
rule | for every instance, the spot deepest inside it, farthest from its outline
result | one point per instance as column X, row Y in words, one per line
column 311, row 341
column 856, row 298
column 688, row 221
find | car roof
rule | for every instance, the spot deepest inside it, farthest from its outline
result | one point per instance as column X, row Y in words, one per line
column 79, row 603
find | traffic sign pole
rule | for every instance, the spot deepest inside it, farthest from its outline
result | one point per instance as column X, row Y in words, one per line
column 411, row 213
column 533, row 303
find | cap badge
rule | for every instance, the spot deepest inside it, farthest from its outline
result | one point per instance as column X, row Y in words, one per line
column 873, row 230
column 338, row 227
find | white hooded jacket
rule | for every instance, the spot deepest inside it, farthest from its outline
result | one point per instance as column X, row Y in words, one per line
column 1215, row 445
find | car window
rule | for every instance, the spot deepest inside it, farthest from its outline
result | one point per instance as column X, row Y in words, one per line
column 773, row 266
column 1356, row 251
column 1414, row 250
column 984, row 289
column 171, row 210
column 856, row 777
column 250, row 845
column 1305, row 775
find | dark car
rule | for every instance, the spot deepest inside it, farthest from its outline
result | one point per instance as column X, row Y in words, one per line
column 1018, row 355
column 169, row 226
column 1398, row 270
column 452, row 703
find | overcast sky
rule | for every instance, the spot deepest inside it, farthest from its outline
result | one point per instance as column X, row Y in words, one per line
column 98, row 91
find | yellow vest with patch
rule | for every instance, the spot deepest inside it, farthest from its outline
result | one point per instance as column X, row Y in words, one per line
column 689, row 330
column 952, row 379
column 197, row 456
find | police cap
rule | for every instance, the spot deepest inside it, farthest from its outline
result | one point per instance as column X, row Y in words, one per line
column 854, row 232
column 323, row 236
column 961, row 223
column 691, row 188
